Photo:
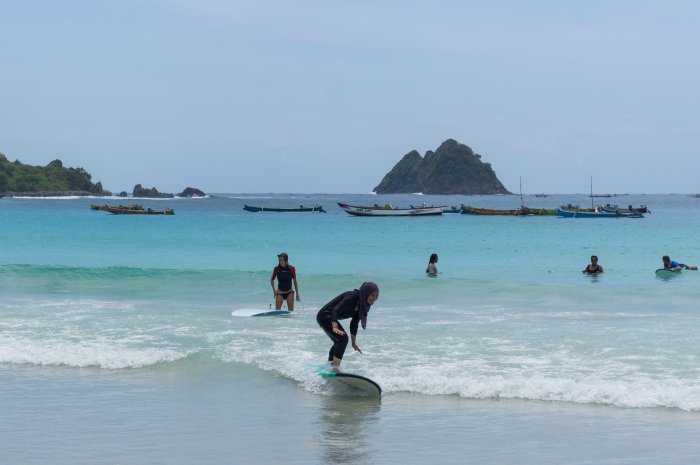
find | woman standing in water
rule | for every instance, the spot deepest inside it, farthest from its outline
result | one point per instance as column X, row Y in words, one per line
column 431, row 270
column 353, row 304
column 594, row 267
column 286, row 275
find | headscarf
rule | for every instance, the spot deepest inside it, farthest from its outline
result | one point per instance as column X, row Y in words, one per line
column 366, row 289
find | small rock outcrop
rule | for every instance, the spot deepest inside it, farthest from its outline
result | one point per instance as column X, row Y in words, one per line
column 152, row 193
column 191, row 192
column 97, row 189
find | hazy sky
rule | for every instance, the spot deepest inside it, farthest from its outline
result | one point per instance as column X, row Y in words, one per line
column 326, row 96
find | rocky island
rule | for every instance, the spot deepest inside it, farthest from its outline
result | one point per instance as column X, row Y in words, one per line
column 140, row 191
column 54, row 180
column 45, row 181
column 151, row 193
column 452, row 169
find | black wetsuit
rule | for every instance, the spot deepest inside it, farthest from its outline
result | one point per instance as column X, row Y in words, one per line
column 342, row 307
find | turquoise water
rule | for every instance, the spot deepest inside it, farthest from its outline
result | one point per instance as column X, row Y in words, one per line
column 509, row 333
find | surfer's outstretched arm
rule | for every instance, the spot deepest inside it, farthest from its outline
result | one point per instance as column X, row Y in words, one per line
column 354, row 344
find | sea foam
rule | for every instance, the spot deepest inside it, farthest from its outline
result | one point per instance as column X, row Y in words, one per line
column 81, row 354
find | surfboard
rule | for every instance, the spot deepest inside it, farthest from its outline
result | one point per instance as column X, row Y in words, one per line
column 358, row 382
column 664, row 273
column 259, row 312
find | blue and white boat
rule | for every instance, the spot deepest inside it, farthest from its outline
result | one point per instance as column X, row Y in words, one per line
column 315, row 208
column 390, row 211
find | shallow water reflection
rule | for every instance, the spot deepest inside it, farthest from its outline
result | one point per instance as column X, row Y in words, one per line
column 344, row 426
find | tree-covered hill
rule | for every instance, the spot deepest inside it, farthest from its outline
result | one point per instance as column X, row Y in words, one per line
column 18, row 177
column 452, row 169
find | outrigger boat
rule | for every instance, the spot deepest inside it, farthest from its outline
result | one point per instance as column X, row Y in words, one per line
column 616, row 209
column 452, row 209
column 390, row 211
column 122, row 207
column 148, row 211
column 468, row 210
column 596, row 213
column 317, row 208
column 527, row 211
column 132, row 210
column 522, row 211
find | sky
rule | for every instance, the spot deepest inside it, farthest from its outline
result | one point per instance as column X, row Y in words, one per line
column 327, row 96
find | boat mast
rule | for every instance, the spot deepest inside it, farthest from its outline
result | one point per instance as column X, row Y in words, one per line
column 592, row 192
column 521, row 192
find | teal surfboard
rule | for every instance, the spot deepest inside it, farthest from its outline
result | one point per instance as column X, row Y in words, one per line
column 664, row 273
column 259, row 312
column 360, row 383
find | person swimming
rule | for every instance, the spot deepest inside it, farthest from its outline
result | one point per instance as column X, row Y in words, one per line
column 593, row 268
column 431, row 270
column 675, row 266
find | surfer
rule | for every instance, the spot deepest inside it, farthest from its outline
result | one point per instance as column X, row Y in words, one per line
column 593, row 268
column 351, row 304
column 431, row 270
column 286, row 275
column 675, row 266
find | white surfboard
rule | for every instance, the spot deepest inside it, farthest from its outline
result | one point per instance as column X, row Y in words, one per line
column 259, row 312
column 358, row 382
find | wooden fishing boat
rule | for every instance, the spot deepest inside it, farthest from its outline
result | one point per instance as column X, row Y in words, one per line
column 468, row 210
column 123, row 207
column 452, row 209
column 527, row 211
column 137, row 211
column 575, row 206
column 630, row 209
column 134, row 207
column 596, row 213
column 384, row 211
column 522, row 211
column 301, row 208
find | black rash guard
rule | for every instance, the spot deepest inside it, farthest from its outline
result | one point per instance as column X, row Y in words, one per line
column 342, row 307
column 284, row 275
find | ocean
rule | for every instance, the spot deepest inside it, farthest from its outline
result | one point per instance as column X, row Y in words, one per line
column 117, row 344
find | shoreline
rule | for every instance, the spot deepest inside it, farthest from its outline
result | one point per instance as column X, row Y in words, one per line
column 56, row 194
column 137, row 417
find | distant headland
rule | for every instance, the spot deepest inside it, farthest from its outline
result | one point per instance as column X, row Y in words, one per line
column 452, row 169
column 55, row 180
